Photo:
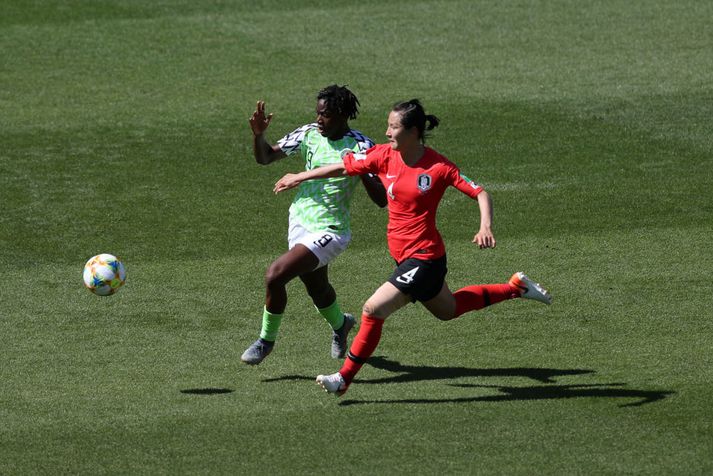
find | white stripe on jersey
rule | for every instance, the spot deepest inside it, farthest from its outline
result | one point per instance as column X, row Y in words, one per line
column 292, row 141
column 363, row 141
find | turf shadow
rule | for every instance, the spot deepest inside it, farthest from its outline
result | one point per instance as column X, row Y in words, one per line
column 539, row 392
column 206, row 391
column 409, row 373
column 414, row 373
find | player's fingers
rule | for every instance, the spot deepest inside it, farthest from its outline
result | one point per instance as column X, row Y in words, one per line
column 484, row 241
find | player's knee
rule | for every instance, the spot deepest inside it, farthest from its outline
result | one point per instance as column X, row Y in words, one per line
column 368, row 308
column 374, row 310
column 275, row 276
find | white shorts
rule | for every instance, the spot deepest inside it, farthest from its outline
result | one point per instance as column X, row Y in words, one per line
column 325, row 245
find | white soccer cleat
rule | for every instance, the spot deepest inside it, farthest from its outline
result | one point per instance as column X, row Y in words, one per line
column 333, row 384
column 530, row 289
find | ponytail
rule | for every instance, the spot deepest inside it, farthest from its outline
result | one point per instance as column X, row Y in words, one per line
column 432, row 122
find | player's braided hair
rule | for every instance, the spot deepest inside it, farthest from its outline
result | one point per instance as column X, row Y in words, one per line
column 413, row 115
column 340, row 100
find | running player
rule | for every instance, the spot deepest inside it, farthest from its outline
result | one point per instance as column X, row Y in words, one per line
column 416, row 178
column 319, row 223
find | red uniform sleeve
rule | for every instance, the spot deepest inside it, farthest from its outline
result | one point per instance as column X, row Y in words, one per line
column 365, row 162
column 464, row 184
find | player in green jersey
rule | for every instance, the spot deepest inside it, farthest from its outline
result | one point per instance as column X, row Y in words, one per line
column 319, row 227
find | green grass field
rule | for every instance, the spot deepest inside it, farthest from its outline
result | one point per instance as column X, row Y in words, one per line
column 123, row 129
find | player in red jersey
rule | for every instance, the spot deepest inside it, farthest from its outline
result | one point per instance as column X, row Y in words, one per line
column 416, row 177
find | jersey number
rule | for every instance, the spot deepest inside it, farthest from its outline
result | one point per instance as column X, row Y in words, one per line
column 407, row 277
column 324, row 241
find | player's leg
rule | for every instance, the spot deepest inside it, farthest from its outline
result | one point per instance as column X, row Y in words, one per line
column 325, row 301
column 318, row 287
column 479, row 296
column 298, row 260
column 443, row 306
column 326, row 246
column 411, row 280
column 385, row 301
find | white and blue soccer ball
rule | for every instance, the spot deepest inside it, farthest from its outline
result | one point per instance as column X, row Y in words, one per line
column 104, row 274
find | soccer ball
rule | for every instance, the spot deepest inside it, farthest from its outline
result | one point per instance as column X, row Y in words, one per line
column 104, row 274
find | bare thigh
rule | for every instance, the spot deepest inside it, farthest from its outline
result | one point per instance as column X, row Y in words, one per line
column 443, row 306
column 385, row 301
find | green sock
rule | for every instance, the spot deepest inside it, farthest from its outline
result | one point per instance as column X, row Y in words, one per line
column 270, row 325
column 333, row 314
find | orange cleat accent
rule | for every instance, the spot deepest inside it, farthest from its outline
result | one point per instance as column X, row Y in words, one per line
column 529, row 289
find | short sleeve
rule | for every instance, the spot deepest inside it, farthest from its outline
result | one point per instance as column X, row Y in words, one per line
column 463, row 183
column 364, row 162
column 292, row 141
column 363, row 142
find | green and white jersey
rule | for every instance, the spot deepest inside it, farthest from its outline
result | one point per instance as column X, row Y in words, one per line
column 323, row 204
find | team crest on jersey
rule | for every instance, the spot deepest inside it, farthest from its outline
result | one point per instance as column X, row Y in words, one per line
column 424, row 182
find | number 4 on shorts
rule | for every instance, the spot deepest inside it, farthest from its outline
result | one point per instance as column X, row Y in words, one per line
column 407, row 277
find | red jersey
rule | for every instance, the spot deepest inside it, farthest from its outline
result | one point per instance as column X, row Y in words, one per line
column 413, row 197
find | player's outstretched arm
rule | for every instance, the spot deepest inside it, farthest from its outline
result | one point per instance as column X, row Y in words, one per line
column 484, row 238
column 292, row 180
column 263, row 151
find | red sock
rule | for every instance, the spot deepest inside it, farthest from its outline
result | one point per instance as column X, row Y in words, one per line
column 362, row 346
column 478, row 296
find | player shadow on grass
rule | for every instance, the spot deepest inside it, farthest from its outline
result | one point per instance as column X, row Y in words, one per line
column 413, row 373
column 507, row 393
column 410, row 373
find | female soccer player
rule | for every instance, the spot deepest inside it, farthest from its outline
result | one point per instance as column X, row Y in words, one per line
column 416, row 177
column 319, row 227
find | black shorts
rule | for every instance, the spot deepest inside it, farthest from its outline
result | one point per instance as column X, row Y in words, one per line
column 420, row 278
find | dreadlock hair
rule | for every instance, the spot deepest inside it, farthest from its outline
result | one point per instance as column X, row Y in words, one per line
column 413, row 115
column 340, row 100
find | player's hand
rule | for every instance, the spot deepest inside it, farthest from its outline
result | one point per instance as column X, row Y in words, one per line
column 258, row 121
column 287, row 182
column 484, row 238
